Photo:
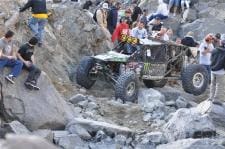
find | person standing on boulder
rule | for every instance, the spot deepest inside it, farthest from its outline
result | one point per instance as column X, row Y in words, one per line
column 137, row 12
column 26, row 55
column 39, row 18
column 205, row 52
column 217, row 87
column 8, row 57
column 101, row 15
column 113, row 17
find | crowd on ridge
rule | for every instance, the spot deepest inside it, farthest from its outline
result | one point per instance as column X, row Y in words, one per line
column 134, row 22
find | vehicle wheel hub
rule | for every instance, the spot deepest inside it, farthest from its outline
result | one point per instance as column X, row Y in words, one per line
column 131, row 89
column 198, row 80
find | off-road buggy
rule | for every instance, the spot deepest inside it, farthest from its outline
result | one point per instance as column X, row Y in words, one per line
column 152, row 61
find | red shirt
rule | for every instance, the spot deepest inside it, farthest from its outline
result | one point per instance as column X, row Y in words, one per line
column 121, row 29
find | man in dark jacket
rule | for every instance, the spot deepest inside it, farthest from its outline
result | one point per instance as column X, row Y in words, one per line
column 39, row 18
column 189, row 41
column 26, row 55
column 137, row 12
column 217, row 88
column 112, row 17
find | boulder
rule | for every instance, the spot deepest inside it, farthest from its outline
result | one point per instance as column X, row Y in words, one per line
column 188, row 123
column 215, row 112
column 35, row 109
column 202, row 27
column 77, row 98
column 45, row 134
column 93, row 126
column 72, row 141
column 80, row 131
column 155, row 137
column 25, row 142
column 151, row 100
column 18, row 128
column 59, row 134
column 181, row 103
column 192, row 144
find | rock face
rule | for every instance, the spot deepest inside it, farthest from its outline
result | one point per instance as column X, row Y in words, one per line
column 36, row 109
column 25, row 142
column 188, row 123
column 192, row 144
column 202, row 27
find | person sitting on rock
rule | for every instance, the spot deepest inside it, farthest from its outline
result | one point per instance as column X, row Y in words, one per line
column 189, row 41
column 185, row 5
column 157, row 24
column 26, row 55
column 205, row 49
column 217, row 87
column 161, row 35
column 162, row 11
column 175, row 4
column 139, row 32
column 168, row 35
column 8, row 57
column 39, row 18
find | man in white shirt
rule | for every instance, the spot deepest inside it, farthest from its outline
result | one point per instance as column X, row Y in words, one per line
column 205, row 50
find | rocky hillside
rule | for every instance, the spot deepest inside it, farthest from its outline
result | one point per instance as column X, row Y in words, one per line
column 70, row 117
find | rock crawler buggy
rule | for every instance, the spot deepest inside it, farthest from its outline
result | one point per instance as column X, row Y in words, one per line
column 152, row 61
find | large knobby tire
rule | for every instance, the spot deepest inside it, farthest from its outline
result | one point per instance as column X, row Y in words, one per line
column 151, row 83
column 126, row 87
column 83, row 72
column 195, row 79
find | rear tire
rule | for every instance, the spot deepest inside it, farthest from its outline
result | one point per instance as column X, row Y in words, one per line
column 195, row 79
column 126, row 87
column 83, row 72
column 151, row 83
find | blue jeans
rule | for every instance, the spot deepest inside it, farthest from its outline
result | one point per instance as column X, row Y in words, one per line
column 174, row 3
column 37, row 26
column 208, row 68
column 15, row 64
column 162, row 17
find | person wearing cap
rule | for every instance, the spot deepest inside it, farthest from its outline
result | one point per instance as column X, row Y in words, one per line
column 139, row 32
column 39, row 18
column 216, row 40
column 162, row 11
column 101, row 15
column 217, row 87
column 26, row 55
column 205, row 49
column 157, row 24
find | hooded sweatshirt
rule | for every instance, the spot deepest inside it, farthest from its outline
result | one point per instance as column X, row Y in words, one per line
column 162, row 8
column 122, row 28
column 218, row 59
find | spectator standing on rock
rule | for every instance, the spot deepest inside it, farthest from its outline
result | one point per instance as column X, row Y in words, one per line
column 139, row 32
column 162, row 11
column 8, row 57
column 217, row 88
column 101, row 15
column 87, row 5
column 205, row 50
column 39, row 18
column 185, row 5
column 216, row 40
column 137, row 12
column 175, row 4
column 121, row 29
column 26, row 55
column 113, row 17
column 128, row 14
